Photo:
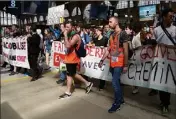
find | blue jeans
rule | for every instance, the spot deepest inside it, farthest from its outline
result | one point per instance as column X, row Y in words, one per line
column 116, row 73
column 63, row 75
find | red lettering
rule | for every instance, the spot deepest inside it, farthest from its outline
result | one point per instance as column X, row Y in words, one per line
column 21, row 58
column 150, row 52
column 55, row 45
column 143, row 53
column 171, row 54
column 91, row 51
column 59, row 46
column 87, row 50
column 97, row 52
column 163, row 50
column 156, row 51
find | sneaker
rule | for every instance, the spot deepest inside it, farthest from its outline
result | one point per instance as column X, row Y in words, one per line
column 135, row 91
column 60, row 81
column 65, row 95
column 123, row 102
column 3, row 66
column 26, row 74
column 48, row 68
column 165, row 110
column 114, row 108
column 12, row 73
column 88, row 88
column 33, row 79
column 100, row 89
column 153, row 92
column 160, row 106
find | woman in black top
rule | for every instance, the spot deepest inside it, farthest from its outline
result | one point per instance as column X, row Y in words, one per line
column 99, row 40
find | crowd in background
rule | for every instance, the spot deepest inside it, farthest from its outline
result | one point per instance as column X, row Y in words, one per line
column 138, row 35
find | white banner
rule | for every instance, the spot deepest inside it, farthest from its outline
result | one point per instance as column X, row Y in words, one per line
column 54, row 14
column 15, row 51
column 150, row 67
column 153, row 67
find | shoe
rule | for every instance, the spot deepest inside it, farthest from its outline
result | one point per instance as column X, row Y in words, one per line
column 160, row 106
column 48, row 68
column 100, row 89
column 33, row 79
column 9, row 70
column 123, row 102
column 12, row 73
column 3, row 66
column 114, row 108
column 153, row 93
column 165, row 110
column 40, row 70
column 135, row 91
column 65, row 95
column 60, row 81
column 26, row 74
column 88, row 88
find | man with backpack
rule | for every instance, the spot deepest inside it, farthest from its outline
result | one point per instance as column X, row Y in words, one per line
column 74, row 50
column 118, row 50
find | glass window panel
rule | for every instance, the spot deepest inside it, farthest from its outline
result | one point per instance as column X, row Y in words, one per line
column 13, row 16
column 9, row 16
column 131, row 4
column 2, row 21
column 2, row 14
column 13, row 21
column 167, row 1
column 9, row 22
column 5, row 21
column 5, row 15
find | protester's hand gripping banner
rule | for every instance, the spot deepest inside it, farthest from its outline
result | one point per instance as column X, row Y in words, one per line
column 15, row 51
column 150, row 66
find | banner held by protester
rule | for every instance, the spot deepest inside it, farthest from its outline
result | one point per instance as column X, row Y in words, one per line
column 150, row 67
column 15, row 51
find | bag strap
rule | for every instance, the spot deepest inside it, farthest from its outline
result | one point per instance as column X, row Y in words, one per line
column 168, row 35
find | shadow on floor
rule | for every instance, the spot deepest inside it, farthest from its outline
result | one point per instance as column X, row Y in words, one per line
column 7, row 112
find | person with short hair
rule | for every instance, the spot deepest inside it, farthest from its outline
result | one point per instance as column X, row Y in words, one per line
column 161, row 37
column 33, row 51
column 118, row 50
column 72, row 42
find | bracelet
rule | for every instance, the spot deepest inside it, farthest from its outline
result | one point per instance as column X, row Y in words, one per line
column 101, row 60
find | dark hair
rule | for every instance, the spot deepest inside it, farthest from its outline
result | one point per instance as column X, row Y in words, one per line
column 137, row 27
column 129, row 26
column 69, row 22
column 116, row 18
column 100, row 29
column 166, row 11
column 34, row 28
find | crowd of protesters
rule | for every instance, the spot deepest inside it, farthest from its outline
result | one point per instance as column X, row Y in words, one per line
column 120, row 43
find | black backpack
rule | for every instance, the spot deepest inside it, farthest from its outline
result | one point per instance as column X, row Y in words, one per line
column 81, row 51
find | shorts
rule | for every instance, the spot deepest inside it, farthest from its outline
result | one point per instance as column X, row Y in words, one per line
column 71, row 69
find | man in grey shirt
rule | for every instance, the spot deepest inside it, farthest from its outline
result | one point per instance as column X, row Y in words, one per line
column 161, row 37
